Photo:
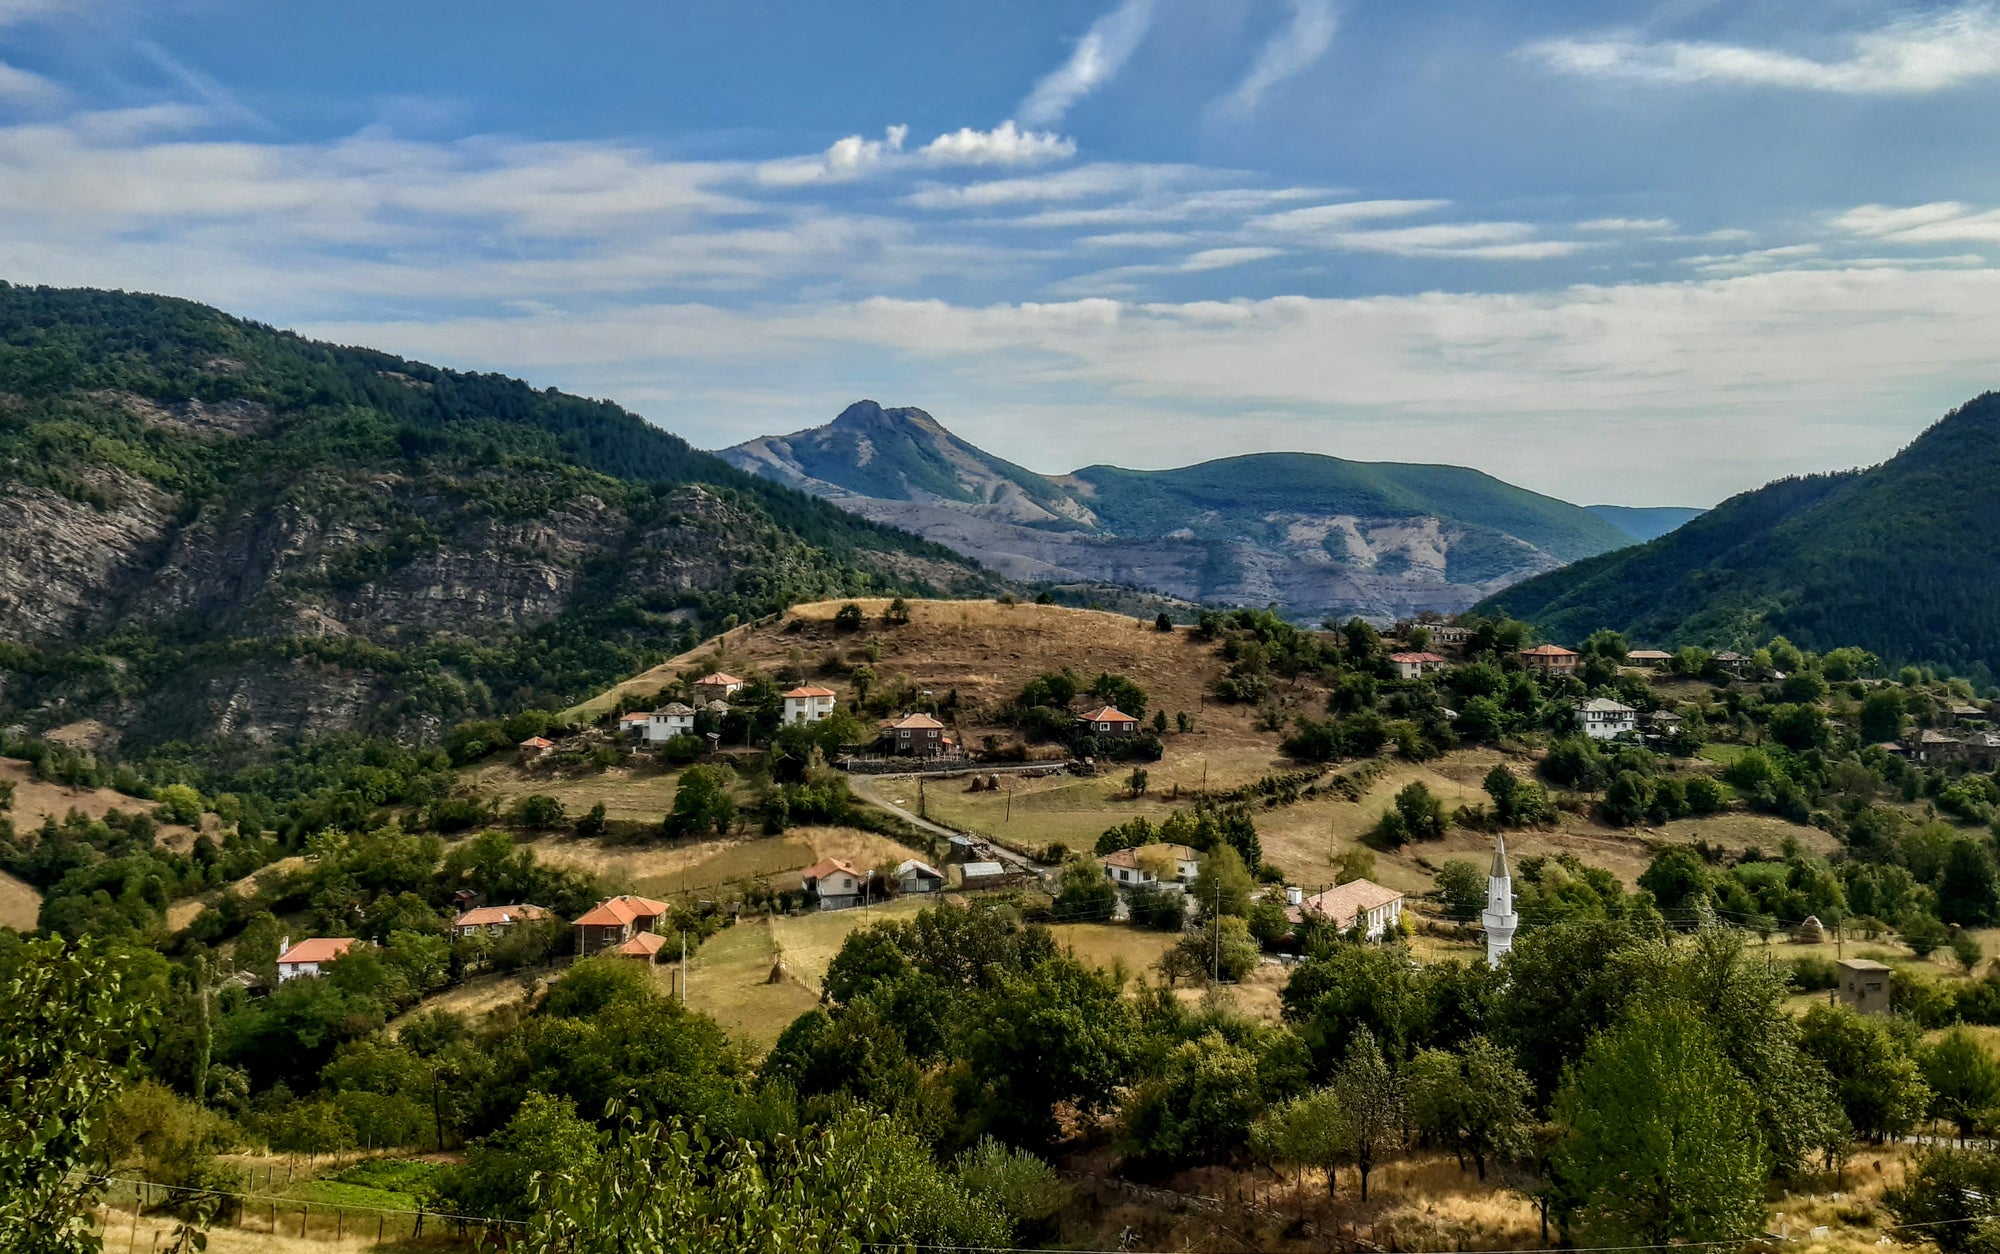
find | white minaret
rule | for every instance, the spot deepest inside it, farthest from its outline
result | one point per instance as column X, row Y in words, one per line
column 1500, row 919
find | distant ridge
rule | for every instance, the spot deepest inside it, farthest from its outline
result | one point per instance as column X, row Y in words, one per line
column 1319, row 536
column 1645, row 522
column 1899, row 559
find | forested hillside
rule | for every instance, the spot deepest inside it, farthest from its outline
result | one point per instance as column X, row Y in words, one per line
column 1898, row 559
column 217, row 529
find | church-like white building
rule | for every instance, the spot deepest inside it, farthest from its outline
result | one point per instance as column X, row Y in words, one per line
column 1500, row 919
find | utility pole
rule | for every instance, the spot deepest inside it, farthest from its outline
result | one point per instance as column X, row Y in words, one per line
column 684, row 968
column 1215, row 926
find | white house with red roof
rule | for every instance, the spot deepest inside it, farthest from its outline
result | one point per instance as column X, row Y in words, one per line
column 1145, row 865
column 1416, row 665
column 616, row 920
column 1363, row 903
column 1107, row 720
column 839, row 884
column 310, row 956
column 716, row 686
column 493, row 920
column 807, row 704
column 633, row 724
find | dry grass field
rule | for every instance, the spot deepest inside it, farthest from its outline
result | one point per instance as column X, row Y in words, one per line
column 635, row 794
column 666, row 870
column 35, row 800
column 730, row 980
column 20, row 905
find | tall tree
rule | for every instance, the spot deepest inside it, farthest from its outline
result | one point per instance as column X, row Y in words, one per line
column 1371, row 1103
column 1475, row 1100
column 1662, row 1144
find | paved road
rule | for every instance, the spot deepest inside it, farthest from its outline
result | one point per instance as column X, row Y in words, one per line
column 877, row 789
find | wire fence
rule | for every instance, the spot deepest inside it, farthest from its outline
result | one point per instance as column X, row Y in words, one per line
column 283, row 1215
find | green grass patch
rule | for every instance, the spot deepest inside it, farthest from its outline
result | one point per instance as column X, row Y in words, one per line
column 1724, row 754
column 384, row 1183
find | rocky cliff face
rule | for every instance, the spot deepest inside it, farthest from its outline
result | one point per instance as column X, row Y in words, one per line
column 1317, row 536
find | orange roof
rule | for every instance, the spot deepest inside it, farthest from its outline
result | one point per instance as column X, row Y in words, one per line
column 1548, row 650
column 809, row 692
column 615, row 911
column 638, row 716
column 486, row 915
column 1344, row 902
column 538, row 742
column 1414, row 658
column 723, row 678
column 317, row 949
column 644, row 945
column 914, row 722
column 820, row 870
column 1107, row 714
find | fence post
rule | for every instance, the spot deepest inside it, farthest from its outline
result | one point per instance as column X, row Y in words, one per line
column 340, row 1226
column 302, row 1219
column 379, row 1221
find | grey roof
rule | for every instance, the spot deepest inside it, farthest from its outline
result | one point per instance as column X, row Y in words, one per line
column 912, row 865
column 978, row 870
column 1605, row 705
column 675, row 707
column 1499, row 869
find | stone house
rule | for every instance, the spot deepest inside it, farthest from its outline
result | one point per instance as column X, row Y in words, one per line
column 716, row 686
column 1416, row 665
column 493, row 920
column 1550, row 660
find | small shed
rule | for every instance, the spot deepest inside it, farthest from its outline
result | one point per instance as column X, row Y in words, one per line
column 1864, row 985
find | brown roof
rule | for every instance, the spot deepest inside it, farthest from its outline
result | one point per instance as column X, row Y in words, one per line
column 1409, row 659
column 1548, row 650
column 718, row 677
column 914, row 722
column 1130, row 857
column 318, row 949
column 621, row 910
column 1344, row 902
column 1648, row 655
column 644, row 945
column 810, row 692
column 484, row 915
column 1107, row 714
column 820, row 870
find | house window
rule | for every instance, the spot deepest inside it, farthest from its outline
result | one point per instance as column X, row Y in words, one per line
column 1104, row 727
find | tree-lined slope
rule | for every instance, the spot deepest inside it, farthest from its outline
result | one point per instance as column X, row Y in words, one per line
column 216, row 528
column 1899, row 559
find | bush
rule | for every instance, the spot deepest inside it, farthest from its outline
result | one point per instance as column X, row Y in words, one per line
column 1814, row 975
column 1157, row 909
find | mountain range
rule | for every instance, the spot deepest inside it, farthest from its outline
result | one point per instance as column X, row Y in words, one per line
column 220, row 532
column 1316, row 535
column 1899, row 559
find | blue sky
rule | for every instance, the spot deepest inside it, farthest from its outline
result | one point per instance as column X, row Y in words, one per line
column 1645, row 253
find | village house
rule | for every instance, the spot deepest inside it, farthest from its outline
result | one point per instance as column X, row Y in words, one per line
column 535, row 748
column 310, row 956
column 913, row 876
column 1659, row 724
column 645, row 947
column 917, row 735
column 1864, row 985
column 1450, row 634
column 1147, row 865
column 633, row 724
column 1654, row 658
column 1108, row 720
column 1601, row 718
column 670, row 720
column 982, row 875
column 807, row 705
column 838, row 884
column 1357, row 903
column 1731, row 661
column 1951, row 715
column 616, row 920
column 1416, row 665
column 493, row 920
column 716, row 686
column 1550, row 660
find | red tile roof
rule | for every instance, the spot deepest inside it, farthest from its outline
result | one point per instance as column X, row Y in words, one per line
column 484, row 916
column 1344, row 902
column 644, row 945
column 1548, row 650
column 618, row 911
column 1412, row 659
column 317, row 949
column 820, row 870
column 1108, row 714
column 537, row 742
column 913, row 722
column 634, row 717
column 722, row 678
column 809, row 692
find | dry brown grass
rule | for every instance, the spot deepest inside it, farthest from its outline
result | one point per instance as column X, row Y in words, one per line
column 1112, row 945
column 666, row 870
column 154, row 1232
column 20, row 905
column 477, row 997
column 729, row 979
column 808, row 942
column 35, row 800
column 631, row 794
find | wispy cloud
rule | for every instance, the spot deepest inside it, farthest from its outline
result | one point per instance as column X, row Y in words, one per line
column 1097, row 57
column 1939, row 222
column 1086, row 182
column 1633, row 225
column 1912, row 55
column 1483, row 241
column 853, row 156
column 1300, row 42
column 19, row 86
column 848, row 157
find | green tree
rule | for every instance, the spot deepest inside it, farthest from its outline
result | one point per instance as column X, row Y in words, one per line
column 544, row 1138
column 1059, row 1032
column 69, row 1026
column 1083, row 893
column 1879, row 1083
column 1964, row 1080
column 538, row 810
column 1200, row 1105
column 1950, row 1193
column 1475, row 1100
column 1371, row 1103
column 1164, row 623
column 899, row 611
column 1223, row 884
column 1422, row 813
column 1461, row 885
column 1662, row 1144
column 179, row 804
column 1309, row 1130
column 702, row 802
column 1882, row 715
column 1221, row 948
column 848, row 618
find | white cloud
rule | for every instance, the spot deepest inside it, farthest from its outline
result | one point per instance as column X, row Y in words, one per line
column 1318, row 219
column 20, row 86
column 1099, row 55
column 1333, row 226
column 1005, row 144
column 845, row 158
column 1939, row 222
column 1915, row 54
column 1087, row 182
column 1301, row 41
column 1626, row 224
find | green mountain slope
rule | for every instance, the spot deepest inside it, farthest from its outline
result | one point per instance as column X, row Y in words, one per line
column 1645, row 522
column 1320, row 536
column 219, row 528
column 1899, row 559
